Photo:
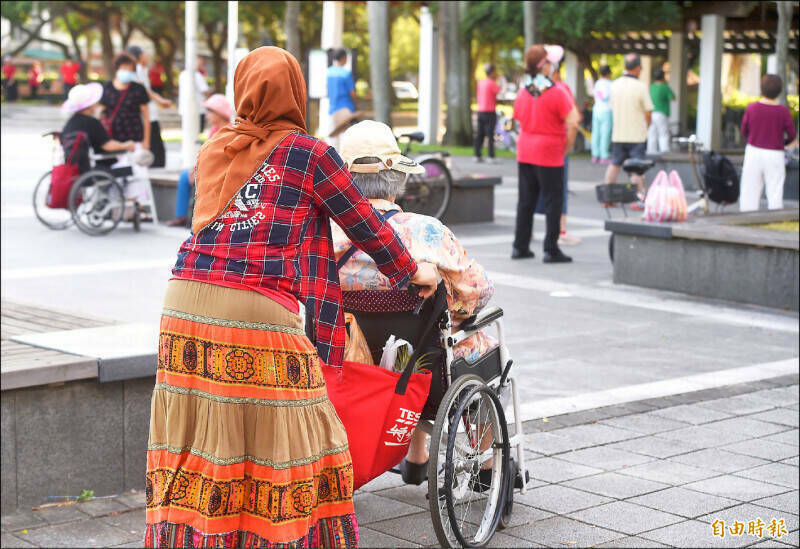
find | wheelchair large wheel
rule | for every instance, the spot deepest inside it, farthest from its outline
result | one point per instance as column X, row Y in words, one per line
column 52, row 218
column 428, row 193
column 466, row 507
column 97, row 202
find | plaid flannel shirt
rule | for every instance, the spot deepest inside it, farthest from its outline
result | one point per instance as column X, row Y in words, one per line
column 275, row 234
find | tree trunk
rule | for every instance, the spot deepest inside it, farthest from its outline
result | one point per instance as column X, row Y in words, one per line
column 291, row 26
column 108, row 47
column 378, row 16
column 32, row 35
column 782, row 42
column 216, row 53
column 458, row 124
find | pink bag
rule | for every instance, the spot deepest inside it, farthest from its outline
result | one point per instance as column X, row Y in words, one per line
column 666, row 200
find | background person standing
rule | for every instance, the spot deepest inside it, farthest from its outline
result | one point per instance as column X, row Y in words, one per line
column 768, row 126
column 601, row 118
column 341, row 93
column 487, row 117
column 9, row 83
column 658, row 133
column 202, row 92
column 156, row 76
column 142, row 59
column 630, row 107
column 69, row 74
column 35, row 78
column 548, row 125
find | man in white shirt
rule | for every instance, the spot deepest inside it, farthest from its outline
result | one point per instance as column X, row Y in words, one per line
column 202, row 92
column 142, row 59
column 631, row 107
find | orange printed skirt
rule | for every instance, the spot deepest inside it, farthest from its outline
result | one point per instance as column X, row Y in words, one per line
column 245, row 449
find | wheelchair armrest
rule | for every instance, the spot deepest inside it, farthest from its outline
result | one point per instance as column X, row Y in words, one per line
column 482, row 319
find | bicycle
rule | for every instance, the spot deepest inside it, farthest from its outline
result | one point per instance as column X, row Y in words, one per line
column 428, row 193
column 703, row 204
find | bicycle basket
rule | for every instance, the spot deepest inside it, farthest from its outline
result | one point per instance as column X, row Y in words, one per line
column 616, row 192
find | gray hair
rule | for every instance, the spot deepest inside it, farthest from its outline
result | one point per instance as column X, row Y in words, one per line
column 384, row 185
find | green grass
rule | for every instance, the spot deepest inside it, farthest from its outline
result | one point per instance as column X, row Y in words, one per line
column 456, row 150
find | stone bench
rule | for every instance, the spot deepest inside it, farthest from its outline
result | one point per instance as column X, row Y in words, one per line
column 716, row 256
column 75, row 404
column 471, row 199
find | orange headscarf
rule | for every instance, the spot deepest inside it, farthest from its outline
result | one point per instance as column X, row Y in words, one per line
column 270, row 96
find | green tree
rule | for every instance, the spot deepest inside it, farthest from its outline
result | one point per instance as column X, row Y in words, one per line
column 29, row 18
column 213, row 19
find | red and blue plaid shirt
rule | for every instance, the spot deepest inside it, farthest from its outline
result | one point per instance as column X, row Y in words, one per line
column 275, row 234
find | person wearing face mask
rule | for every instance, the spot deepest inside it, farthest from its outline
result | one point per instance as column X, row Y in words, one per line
column 127, row 116
column 548, row 125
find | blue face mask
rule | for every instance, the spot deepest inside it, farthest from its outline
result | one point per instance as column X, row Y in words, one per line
column 125, row 76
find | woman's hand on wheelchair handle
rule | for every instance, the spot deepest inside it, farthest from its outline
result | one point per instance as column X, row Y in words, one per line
column 427, row 278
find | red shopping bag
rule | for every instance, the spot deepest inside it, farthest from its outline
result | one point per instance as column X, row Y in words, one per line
column 379, row 410
column 62, row 177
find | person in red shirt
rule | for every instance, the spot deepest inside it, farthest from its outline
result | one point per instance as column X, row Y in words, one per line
column 9, row 83
column 69, row 74
column 548, row 125
column 487, row 117
column 156, row 75
column 35, row 78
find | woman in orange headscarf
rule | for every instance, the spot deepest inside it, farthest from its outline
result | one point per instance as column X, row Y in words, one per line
column 245, row 449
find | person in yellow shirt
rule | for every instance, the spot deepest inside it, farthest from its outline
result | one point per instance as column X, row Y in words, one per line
column 631, row 107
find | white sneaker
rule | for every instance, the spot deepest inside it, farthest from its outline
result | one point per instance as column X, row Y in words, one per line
column 491, row 160
column 477, row 160
column 566, row 239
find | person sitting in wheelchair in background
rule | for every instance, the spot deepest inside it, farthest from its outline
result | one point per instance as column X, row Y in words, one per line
column 81, row 103
column 371, row 153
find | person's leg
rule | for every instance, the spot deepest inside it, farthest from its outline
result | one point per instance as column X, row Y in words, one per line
column 606, row 125
column 663, row 132
column 617, row 158
column 752, row 182
column 417, row 450
column 638, row 151
column 526, row 202
column 491, row 124
column 202, row 122
column 595, row 136
column 157, row 146
column 652, row 136
column 551, row 181
column 478, row 145
column 183, row 194
column 774, row 170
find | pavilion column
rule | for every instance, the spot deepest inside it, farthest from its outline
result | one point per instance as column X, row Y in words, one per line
column 429, row 104
column 709, row 99
column 575, row 79
column 677, row 81
column 331, row 37
column 647, row 70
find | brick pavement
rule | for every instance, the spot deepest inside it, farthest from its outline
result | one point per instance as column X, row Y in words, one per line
column 653, row 473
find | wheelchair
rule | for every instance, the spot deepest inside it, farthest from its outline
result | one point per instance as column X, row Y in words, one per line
column 96, row 203
column 464, row 414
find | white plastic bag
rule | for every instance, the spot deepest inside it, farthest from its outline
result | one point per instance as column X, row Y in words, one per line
column 389, row 356
column 666, row 200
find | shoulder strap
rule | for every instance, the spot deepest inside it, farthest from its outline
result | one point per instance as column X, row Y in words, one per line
column 352, row 249
column 75, row 145
column 116, row 109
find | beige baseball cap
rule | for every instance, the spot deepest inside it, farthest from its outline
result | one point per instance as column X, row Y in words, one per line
column 371, row 138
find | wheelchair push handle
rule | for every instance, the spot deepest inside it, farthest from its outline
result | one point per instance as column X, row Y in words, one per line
column 414, row 289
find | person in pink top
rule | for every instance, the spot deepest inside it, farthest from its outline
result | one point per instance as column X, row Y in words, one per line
column 768, row 127
column 487, row 117
column 548, row 124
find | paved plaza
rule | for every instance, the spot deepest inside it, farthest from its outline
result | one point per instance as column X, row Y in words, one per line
column 651, row 416
column 655, row 473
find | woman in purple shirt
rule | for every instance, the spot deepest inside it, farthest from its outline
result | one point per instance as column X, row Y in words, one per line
column 768, row 126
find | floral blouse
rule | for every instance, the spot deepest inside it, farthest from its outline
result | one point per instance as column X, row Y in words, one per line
column 426, row 239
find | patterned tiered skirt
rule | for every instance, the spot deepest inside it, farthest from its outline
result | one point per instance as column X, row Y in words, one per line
column 245, row 448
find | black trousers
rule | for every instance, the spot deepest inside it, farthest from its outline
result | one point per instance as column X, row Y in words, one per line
column 67, row 87
column 202, row 122
column 486, row 124
column 157, row 146
column 534, row 180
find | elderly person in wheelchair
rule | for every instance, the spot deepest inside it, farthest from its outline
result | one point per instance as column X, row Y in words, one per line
column 379, row 170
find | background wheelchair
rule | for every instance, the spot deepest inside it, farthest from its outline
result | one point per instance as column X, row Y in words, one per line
column 96, row 203
column 463, row 414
